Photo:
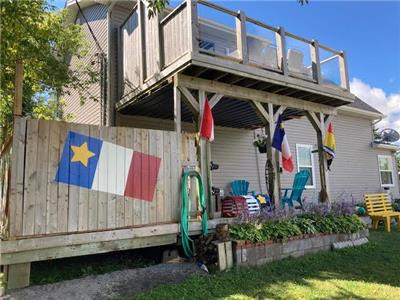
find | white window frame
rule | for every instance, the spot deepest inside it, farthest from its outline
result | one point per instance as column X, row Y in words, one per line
column 391, row 169
column 312, row 163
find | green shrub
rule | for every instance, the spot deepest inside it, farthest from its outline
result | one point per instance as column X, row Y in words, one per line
column 296, row 226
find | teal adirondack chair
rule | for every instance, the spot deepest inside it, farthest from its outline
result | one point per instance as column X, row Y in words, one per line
column 240, row 187
column 299, row 184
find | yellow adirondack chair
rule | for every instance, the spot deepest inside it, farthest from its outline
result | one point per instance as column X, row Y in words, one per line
column 379, row 208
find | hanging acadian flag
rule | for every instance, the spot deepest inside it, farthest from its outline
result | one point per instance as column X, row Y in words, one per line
column 330, row 145
column 280, row 143
column 95, row 164
column 207, row 123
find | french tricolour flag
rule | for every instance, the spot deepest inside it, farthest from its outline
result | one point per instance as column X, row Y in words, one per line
column 95, row 164
column 280, row 143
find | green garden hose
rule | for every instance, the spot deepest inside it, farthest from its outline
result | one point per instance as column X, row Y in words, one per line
column 185, row 214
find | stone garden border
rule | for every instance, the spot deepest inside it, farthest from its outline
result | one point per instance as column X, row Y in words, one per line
column 246, row 253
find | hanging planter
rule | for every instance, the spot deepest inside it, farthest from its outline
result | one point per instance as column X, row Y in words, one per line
column 261, row 143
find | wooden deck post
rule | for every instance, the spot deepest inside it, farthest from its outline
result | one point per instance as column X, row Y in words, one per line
column 178, row 130
column 272, row 162
column 281, row 50
column 18, row 275
column 142, row 42
column 344, row 76
column 316, row 65
column 19, row 77
column 205, row 159
column 318, row 122
column 241, row 39
column 193, row 26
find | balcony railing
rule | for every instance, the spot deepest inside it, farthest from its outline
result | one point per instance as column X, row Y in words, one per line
column 206, row 29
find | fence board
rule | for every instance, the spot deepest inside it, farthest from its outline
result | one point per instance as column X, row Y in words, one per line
column 17, row 178
column 121, row 165
column 63, row 189
column 129, row 143
column 93, row 194
column 44, row 203
column 42, row 174
column 83, row 202
column 52, row 187
column 102, row 196
column 30, row 187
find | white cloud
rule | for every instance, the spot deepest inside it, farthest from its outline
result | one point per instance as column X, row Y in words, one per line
column 388, row 104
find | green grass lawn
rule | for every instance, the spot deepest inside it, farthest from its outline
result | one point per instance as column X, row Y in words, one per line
column 370, row 271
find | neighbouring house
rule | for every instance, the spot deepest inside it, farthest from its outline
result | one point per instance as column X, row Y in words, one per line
column 111, row 180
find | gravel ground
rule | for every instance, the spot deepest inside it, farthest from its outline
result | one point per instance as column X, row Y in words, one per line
column 112, row 285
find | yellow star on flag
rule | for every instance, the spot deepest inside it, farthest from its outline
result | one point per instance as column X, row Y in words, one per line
column 82, row 154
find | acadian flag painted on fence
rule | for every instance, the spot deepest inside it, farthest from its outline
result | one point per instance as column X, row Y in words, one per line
column 330, row 145
column 95, row 164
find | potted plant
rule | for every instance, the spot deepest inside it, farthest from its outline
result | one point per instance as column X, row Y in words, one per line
column 261, row 143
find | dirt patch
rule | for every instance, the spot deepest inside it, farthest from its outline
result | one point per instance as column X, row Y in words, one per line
column 112, row 285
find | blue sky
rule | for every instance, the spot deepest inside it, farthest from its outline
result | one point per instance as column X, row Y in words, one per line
column 369, row 32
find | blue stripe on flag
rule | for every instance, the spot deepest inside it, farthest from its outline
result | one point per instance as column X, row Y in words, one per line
column 75, row 172
column 279, row 134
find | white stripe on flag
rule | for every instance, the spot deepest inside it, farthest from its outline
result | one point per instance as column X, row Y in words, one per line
column 112, row 169
column 285, row 148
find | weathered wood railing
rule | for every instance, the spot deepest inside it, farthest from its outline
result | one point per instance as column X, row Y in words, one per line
column 41, row 203
column 190, row 29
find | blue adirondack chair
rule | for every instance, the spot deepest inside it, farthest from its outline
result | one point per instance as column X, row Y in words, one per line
column 240, row 187
column 299, row 184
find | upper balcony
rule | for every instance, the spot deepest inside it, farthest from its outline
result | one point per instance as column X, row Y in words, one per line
column 202, row 39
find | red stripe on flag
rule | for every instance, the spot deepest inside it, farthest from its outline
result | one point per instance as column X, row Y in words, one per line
column 142, row 176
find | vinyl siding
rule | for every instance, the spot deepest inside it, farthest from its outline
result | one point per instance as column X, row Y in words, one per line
column 354, row 170
column 90, row 111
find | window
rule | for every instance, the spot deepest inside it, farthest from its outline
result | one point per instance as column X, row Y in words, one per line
column 305, row 161
column 385, row 164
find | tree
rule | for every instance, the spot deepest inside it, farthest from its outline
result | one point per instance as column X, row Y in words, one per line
column 33, row 32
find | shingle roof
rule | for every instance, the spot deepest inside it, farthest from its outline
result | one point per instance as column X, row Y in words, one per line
column 358, row 103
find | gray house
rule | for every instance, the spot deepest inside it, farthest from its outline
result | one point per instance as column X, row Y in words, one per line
column 142, row 55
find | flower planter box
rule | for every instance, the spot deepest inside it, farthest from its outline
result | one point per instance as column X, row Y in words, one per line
column 247, row 253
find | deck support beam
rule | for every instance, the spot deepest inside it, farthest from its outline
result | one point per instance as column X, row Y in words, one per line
column 248, row 94
column 319, row 122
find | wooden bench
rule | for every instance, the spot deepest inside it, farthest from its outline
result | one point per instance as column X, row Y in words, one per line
column 380, row 208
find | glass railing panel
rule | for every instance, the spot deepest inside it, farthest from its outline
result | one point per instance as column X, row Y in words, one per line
column 217, row 32
column 261, row 46
column 330, row 70
column 298, row 57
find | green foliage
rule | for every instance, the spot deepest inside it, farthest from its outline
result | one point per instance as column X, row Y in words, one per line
column 396, row 205
column 156, row 7
column 296, row 226
column 31, row 31
column 50, row 109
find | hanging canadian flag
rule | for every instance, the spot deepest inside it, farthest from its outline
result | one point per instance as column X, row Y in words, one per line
column 207, row 123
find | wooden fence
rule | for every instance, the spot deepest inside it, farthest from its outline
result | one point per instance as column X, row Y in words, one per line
column 42, row 202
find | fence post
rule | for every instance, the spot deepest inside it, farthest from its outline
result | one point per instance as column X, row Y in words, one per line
column 19, row 77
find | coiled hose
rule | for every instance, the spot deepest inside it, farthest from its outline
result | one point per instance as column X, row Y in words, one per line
column 185, row 213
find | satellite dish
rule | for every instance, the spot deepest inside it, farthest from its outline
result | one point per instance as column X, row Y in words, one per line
column 389, row 135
